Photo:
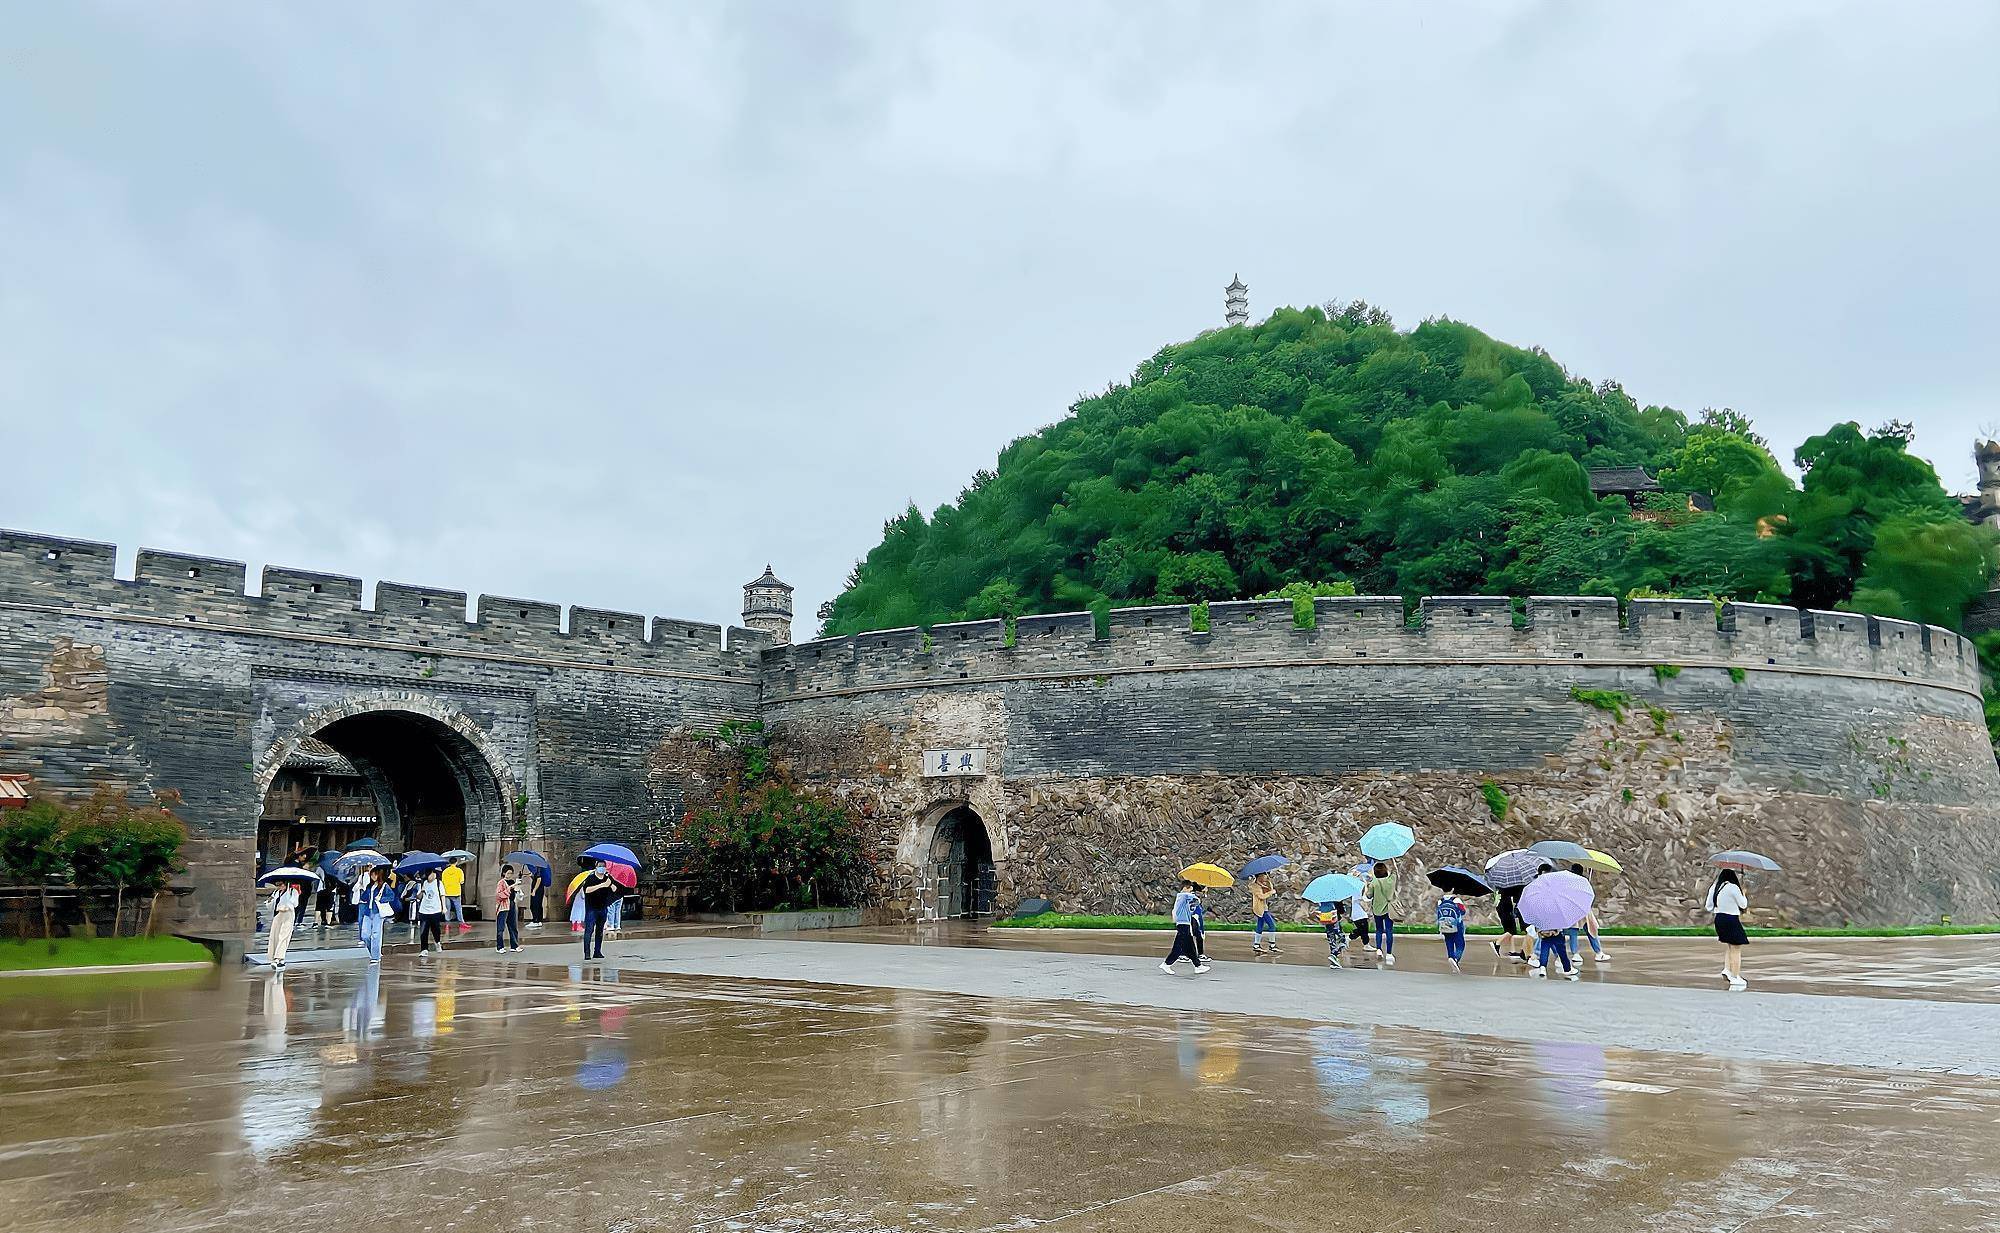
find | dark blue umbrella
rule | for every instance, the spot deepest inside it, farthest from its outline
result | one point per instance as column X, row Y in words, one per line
column 418, row 863
column 533, row 860
column 611, row 852
column 1263, row 864
column 1458, row 880
column 327, row 860
column 361, row 843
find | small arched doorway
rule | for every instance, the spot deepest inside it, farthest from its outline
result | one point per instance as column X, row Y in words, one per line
column 961, row 861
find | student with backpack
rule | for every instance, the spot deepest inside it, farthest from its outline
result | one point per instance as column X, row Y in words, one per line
column 1451, row 924
column 1187, row 906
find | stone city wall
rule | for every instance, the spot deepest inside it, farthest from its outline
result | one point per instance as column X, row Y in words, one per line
column 1851, row 749
column 177, row 680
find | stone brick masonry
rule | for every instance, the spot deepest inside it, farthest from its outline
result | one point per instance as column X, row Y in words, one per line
column 1850, row 748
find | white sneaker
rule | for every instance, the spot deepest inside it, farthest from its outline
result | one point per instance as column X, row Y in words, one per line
column 1536, row 972
column 1168, row 968
column 1389, row 960
column 1738, row 985
column 1570, row 975
column 1454, row 965
column 1334, row 964
column 1535, row 963
column 1274, row 948
column 1604, row 956
column 1200, row 968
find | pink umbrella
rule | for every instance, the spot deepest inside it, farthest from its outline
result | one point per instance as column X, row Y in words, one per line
column 624, row 875
column 1557, row 901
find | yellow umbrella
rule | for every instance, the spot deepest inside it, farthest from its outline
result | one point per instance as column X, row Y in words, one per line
column 1208, row 875
column 573, row 884
column 1600, row 862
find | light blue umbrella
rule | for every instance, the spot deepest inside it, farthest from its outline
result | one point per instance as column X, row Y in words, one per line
column 1331, row 888
column 1263, row 864
column 1749, row 862
column 1386, row 841
column 1561, row 851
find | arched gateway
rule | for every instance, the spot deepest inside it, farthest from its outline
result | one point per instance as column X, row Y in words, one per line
column 960, row 871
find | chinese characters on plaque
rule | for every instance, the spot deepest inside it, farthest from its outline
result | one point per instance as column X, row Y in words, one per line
column 942, row 762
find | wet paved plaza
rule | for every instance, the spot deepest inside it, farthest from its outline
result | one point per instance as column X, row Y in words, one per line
column 478, row 1092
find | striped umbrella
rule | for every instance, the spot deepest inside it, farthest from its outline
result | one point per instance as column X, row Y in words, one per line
column 1516, row 868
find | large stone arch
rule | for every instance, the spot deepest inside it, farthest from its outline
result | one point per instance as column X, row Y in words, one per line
column 489, row 786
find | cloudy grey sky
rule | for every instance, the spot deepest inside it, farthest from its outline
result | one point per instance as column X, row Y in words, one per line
column 611, row 303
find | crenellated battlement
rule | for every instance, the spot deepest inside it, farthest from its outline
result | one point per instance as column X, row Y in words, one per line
column 79, row 576
column 1479, row 629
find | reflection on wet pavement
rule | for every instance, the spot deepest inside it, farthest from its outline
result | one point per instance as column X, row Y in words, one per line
column 1952, row 969
column 504, row 1095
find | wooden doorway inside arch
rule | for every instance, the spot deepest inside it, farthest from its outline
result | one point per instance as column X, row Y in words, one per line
column 962, row 866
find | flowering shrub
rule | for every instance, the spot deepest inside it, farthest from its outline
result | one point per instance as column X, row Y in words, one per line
column 765, row 844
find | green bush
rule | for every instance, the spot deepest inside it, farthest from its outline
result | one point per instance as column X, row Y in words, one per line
column 1615, row 701
column 1497, row 801
column 766, row 844
column 103, row 841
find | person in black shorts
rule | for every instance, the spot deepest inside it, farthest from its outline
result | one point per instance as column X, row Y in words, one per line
column 1510, row 924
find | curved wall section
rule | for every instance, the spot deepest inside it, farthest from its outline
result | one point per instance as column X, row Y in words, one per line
column 1851, row 749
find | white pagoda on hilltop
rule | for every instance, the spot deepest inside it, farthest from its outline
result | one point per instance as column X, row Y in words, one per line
column 1235, row 302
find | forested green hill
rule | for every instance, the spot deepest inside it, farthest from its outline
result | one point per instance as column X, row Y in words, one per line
column 1326, row 446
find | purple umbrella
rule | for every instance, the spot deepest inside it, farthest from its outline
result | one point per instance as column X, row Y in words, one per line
column 1557, row 901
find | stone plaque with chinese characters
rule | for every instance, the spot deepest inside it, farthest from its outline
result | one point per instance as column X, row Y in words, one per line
column 943, row 762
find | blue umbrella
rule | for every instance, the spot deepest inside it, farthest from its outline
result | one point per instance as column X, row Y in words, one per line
column 420, row 862
column 611, row 852
column 1263, row 864
column 1331, row 888
column 360, row 845
column 1387, row 840
column 349, row 867
column 327, row 860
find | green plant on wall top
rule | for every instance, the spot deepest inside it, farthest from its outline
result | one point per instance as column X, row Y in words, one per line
column 1498, row 803
column 1665, row 672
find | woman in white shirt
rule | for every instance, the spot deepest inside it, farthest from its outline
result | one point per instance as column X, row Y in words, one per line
column 1728, row 902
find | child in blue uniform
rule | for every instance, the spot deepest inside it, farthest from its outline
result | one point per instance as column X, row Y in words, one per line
column 1451, row 923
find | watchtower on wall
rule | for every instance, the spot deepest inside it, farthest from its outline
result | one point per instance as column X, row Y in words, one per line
column 767, row 607
column 1987, row 455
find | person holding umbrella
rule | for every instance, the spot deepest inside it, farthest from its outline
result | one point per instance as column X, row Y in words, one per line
column 1381, row 888
column 1727, row 903
column 288, row 885
column 597, row 892
column 1456, row 882
column 1257, row 874
column 430, row 913
column 378, row 903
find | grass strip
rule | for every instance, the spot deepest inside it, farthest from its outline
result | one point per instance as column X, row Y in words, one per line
column 35, row 953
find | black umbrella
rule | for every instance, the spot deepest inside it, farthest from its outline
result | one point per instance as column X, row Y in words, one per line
column 1458, row 880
